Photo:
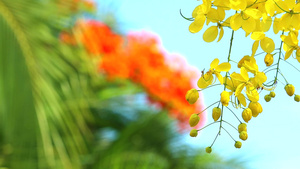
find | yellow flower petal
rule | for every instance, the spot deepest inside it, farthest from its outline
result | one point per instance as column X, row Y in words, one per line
column 239, row 89
column 254, row 13
column 197, row 25
column 276, row 26
column 221, row 34
column 254, row 47
column 288, row 53
column 210, row 34
column 267, row 45
column 244, row 73
column 237, row 77
column 205, row 81
column 223, row 67
column 242, row 99
column 220, row 77
column 257, row 35
column 236, row 21
column 270, row 7
column 214, row 63
column 249, row 25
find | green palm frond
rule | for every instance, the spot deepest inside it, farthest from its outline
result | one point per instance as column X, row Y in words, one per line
column 44, row 86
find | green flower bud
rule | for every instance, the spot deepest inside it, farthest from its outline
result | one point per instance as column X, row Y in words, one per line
column 290, row 89
column 194, row 133
column 267, row 98
column 297, row 98
column 192, row 96
column 272, row 94
column 238, row 144
column 247, row 115
column 255, row 108
column 243, row 135
column 208, row 149
column 242, row 127
column 216, row 113
column 194, row 120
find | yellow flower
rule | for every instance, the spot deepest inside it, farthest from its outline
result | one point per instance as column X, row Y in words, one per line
column 290, row 43
column 192, row 96
column 247, row 114
column 216, row 113
column 243, row 135
column 215, row 68
column 194, row 120
column 238, row 144
column 269, row 59
column 225, row 98
column 255, row 108
column 242, row 127
column 194, row 133
column 290, row 89
column 208, row 149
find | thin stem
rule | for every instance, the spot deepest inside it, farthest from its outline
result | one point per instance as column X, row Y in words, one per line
column 228, row 134
column 234, row 114
column 277, row 63
column 230, row 125
column 215, row 139
column 283, row 77
column 209, row 125
column 292, row 65
column 208, row 107
column 189, row 19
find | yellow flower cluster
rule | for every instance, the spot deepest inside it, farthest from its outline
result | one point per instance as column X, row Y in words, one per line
column 242, row 88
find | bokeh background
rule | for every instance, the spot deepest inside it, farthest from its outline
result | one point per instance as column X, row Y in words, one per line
column 101, row 85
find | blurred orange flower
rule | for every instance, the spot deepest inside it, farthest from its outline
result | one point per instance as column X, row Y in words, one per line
column 139, row 57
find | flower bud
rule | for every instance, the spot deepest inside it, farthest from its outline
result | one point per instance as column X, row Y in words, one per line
column 255, row 108
column 269, row 59
column 225, row 98
column 242, row 127
column 216, row 113
column 267, row 98
column 247, row 114
column 194, row 120
column 297, row 98
column 290, row 89
column 272, row 94
column 192, row 96
column 194, row 133
column 238, row 144
column 208, row 149
column 243, row 135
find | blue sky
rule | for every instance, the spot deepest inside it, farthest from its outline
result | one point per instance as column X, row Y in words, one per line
column 273, row 135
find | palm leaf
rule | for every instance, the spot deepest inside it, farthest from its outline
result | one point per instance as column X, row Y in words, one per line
column 44, row 86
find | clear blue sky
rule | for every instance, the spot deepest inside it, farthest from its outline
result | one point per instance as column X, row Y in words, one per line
column 273, row 135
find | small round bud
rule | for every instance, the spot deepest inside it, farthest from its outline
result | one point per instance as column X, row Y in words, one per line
column 269, row 59
column 267, row 98
column 247, row 115
column 194, row 133
column 255, row 108
column 243, row 135
column 194, row 120
column 272, row 94
column 242, row 127
column 238, row 144
column 290, row 89
column 208, row 149
column 192, row 96
column 216, row 113
column 297, row 98
column 225, row 98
